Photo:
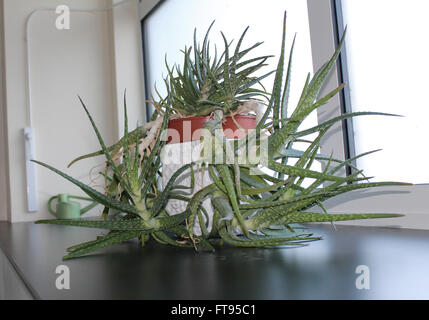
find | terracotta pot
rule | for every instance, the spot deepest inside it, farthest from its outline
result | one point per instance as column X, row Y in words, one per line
column 189, row 129
column 183, row 147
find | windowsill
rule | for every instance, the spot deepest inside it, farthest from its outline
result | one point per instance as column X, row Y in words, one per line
column 322, row 270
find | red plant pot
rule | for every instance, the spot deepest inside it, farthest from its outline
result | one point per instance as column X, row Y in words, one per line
column 190, row 129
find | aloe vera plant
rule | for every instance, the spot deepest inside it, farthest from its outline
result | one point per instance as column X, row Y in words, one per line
column 249, row 210
column 208, row 82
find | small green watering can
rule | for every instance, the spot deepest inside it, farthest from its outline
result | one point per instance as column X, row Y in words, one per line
column 67, row 209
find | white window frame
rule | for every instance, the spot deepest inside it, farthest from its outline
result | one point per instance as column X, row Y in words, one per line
column 407, row 200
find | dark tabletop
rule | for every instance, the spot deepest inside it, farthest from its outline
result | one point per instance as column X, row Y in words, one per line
column 398, row 261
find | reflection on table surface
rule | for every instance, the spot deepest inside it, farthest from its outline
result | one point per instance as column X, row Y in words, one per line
column 397, row 260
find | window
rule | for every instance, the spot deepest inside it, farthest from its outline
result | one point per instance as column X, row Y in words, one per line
column 171, row 27
column 363, row 62
column 370, row 76
column 387, row 55
column 231, row 17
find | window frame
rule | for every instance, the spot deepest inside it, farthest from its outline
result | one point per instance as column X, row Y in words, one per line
column 146, row 9
column 326, row 28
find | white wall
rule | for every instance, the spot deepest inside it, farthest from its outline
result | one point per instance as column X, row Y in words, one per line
column 65, row 63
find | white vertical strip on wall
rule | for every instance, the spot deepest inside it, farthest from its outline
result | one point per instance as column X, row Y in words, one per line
column 4, row 192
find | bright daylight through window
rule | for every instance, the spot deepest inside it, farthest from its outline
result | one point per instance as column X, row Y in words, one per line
column 387, row 52
column 172, row 25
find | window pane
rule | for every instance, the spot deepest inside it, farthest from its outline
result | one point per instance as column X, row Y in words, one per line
column 387, row 55
column 171, row 27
